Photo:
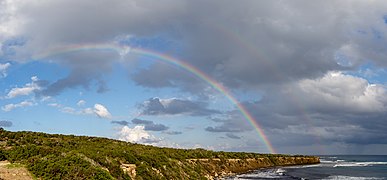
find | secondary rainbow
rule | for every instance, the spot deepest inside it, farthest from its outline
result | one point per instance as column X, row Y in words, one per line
column 123, row 50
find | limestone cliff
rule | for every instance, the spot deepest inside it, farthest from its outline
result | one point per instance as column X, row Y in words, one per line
column 226, row 167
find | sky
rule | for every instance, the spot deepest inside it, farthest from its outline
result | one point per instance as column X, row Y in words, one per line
column 271, row 76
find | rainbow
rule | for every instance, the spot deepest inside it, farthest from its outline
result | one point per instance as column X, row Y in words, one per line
column 123, row 50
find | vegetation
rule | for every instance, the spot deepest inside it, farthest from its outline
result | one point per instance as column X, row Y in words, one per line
column 80, row 157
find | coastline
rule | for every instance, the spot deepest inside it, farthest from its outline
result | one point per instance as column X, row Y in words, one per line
column 330, row 167
column 223, row 168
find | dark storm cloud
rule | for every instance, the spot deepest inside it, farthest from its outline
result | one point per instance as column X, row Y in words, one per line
column 156, row 106
column 336, row 108
column 5, row 123
column 243, row 45
column 266, row 42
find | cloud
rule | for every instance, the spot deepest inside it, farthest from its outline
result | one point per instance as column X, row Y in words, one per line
column 81, row 102
column 140, row 121
column 173, row 132
column 345, row 93
column 262, row 43
column 101, row 111
column 27, row 89
column 150, row 125
column 335, row 92
column 174, row 106
column 5, row 123
column 271, row 43
column 10, row 107
column 233, row 122
column 312, row 109
column 22, row 19
column 232, row 136
column 138, row 134
column 156, row 127
column 171, row 78
column 123, row 123
column 3, row 69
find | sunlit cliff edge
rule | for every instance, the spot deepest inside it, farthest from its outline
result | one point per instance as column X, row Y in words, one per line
column 52, row 156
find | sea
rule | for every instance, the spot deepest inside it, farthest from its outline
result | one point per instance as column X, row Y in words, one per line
column 362, row 167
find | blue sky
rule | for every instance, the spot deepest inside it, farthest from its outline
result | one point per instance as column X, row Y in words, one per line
column 314, row 86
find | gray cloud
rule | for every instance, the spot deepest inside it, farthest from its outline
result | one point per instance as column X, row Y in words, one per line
column 87, row 71
column 122, row 123
column 266, row 42
column 156, row 127
column 232, row 136
column 240, row 44
column 156, row 106
column 5, row 123
column 172, row 78
column 234, row 122
column 150, row 125
column 336, row 108
column 173, row 132
column 140, row 121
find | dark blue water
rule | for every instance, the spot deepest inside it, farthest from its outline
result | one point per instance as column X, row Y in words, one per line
column 331, row 167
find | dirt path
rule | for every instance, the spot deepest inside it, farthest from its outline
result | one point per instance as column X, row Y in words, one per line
column 14, row 172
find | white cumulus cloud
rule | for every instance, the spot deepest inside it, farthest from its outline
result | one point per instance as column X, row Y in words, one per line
column 25, row 90
column 3, row 69
column 81, row 102
column 101, row 111
column 345, row 92
column 137, row 135
column 10, row 107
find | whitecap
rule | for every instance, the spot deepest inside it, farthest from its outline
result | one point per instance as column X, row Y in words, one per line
column 304, row 166
column 327, row 161
column 351, row 177
column 280, row 171
column 266, row 174
column 353, row 164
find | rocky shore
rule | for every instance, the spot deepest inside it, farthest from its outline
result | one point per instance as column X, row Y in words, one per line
column 218, row 168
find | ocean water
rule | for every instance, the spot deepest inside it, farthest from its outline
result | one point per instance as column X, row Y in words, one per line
column 331, row 167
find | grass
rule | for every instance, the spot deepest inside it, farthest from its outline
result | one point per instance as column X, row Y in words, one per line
column 14, row 165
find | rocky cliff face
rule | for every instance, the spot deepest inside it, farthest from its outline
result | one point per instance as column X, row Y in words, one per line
column 226, row 167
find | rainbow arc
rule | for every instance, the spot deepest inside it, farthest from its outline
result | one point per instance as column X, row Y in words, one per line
column 124, row 50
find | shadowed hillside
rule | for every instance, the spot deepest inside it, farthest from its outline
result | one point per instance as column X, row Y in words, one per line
column 55, row 156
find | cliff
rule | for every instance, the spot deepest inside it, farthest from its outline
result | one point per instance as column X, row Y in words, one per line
column 53, row 156
column 226, row 167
